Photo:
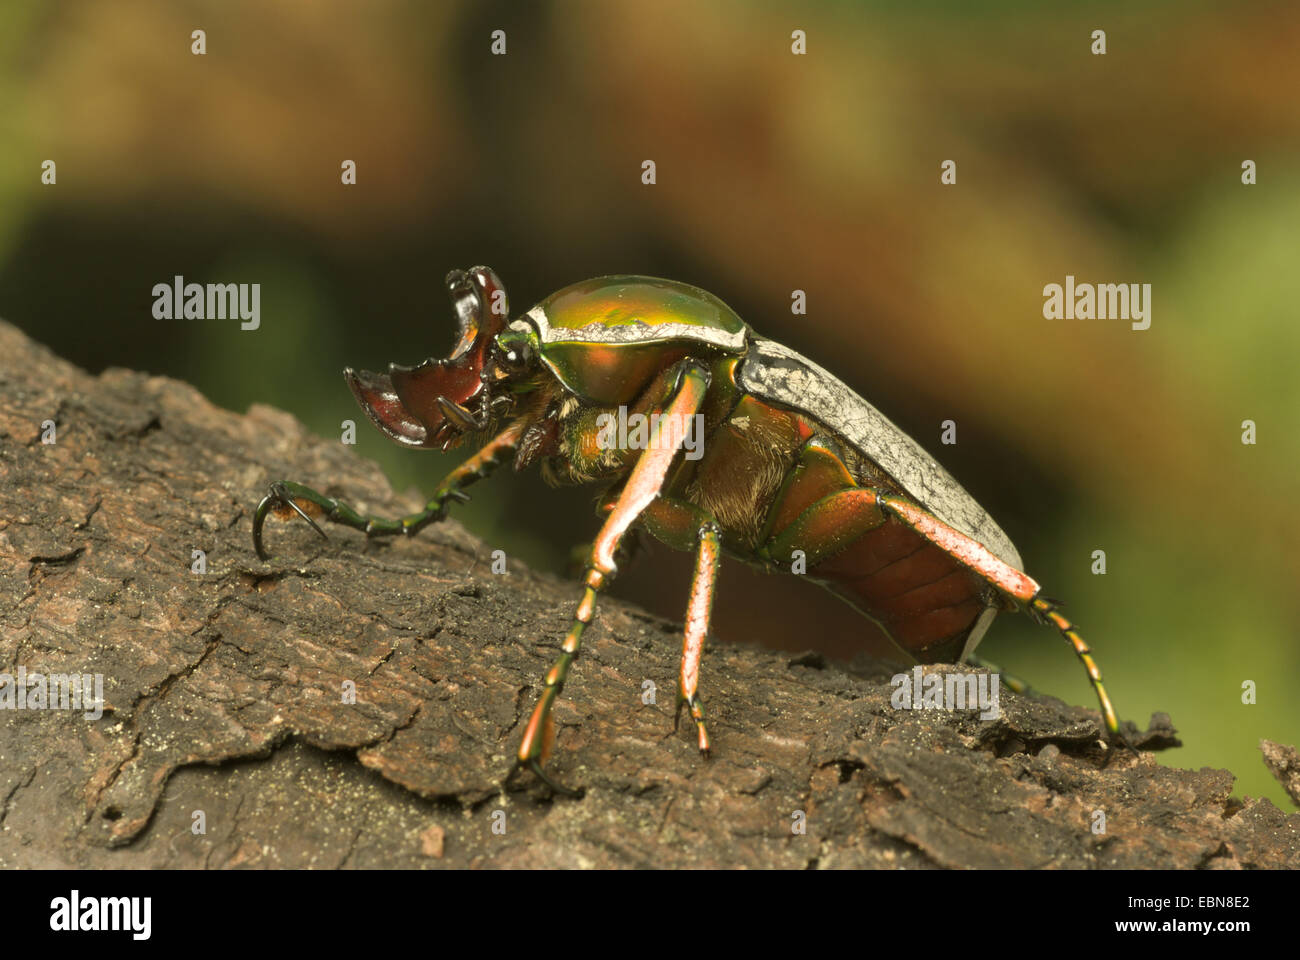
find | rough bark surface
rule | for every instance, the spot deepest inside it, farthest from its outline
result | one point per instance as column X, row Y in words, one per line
column 1284, row 763
column 224, row 692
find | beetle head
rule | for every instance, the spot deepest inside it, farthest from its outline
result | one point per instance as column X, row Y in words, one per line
column 437, row 402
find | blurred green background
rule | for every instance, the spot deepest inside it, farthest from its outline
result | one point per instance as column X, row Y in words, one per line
column 775, row 172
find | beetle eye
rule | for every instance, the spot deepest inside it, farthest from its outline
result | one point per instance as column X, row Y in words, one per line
column 514, row 355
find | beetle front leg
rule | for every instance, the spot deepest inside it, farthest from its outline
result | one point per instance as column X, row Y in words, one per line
column 286, row 498
column 642, row 487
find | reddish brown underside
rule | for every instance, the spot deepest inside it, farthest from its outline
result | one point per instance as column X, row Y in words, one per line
column 925, row 599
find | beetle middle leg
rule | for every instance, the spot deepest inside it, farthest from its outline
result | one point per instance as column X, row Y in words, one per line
column 286, row 498
column 698, row 611
column 684, row 526
column 640, row 490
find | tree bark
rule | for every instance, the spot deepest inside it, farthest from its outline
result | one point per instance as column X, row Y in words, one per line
column 225, row 705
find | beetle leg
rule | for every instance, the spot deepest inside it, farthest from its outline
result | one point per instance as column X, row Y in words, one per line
column 1014, row 683
column 458, row 416
column 629, row 552
column 1041, row 606
column 684, row 526
column 642, row 487
column 697, row 628
column 1012, row 582
column 286, row 498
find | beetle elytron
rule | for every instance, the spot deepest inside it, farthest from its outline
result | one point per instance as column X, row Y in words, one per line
column 793, row 460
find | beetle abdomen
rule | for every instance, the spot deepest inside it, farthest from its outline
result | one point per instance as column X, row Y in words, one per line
column 822, row 523
column 920, row 596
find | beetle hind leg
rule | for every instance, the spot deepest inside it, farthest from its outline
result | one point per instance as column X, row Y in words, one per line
column 1046, row 610
column 1013, row 583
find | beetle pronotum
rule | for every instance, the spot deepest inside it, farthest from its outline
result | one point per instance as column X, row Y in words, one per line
column 794, row 463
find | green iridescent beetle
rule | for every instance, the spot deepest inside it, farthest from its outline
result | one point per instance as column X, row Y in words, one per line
column 713, row 439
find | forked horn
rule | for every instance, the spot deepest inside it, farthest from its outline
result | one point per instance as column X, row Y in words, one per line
column 411, row 404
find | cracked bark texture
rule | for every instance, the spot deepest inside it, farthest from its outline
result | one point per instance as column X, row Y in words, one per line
column 224, row 692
